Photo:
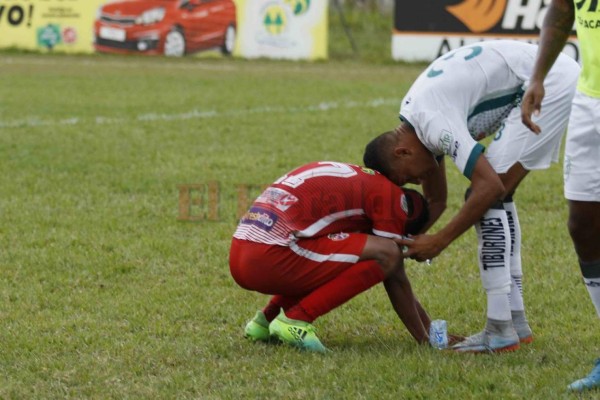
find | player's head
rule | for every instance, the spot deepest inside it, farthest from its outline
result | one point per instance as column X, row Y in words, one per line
column 400, row 156
column 377, row 156
column 418, row 211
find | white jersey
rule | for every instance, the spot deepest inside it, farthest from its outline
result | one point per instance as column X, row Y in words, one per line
column 466, row 95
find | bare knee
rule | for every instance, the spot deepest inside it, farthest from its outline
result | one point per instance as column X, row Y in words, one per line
column 584, row 228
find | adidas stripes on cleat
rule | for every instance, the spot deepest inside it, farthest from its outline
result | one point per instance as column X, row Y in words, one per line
column 296, row 333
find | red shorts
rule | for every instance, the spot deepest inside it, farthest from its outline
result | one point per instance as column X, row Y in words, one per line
column 297, row 269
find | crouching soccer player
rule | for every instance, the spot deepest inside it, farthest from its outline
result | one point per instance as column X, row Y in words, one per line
column 305, row 241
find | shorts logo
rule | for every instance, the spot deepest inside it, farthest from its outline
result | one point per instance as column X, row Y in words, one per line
column 337, row 237
column 260, row 218
column 567, row 168
column 278, row 198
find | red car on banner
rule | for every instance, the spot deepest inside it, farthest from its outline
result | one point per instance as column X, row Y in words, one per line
column 169, row 27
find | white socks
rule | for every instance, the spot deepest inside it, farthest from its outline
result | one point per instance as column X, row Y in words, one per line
column 493, row 235
column 591, row 277
column 516, row 271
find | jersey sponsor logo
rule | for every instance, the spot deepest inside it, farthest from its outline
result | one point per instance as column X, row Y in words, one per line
column 338, row 237
column 455, row 151
column 593, row 5
column 279, row 198
column 588, row 23
column 478, row 15
column 260, row 218
column 404, row 204
column 367, row 170
column 446, row 141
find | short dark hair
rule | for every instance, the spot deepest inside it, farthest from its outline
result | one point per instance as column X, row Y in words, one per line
column 418, row 211
column 376, row 153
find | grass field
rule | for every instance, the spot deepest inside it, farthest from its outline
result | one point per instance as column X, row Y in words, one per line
column 106, row 294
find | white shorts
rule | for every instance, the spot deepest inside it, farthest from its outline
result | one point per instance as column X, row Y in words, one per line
column 582, row 151
column 514, row 142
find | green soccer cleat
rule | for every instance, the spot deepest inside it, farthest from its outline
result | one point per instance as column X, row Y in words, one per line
column 296, row 333
column 257, row 329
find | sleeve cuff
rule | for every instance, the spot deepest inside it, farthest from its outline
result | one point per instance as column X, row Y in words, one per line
column 478, row 149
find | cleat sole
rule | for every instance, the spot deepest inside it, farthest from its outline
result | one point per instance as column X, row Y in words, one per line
column 526, row 340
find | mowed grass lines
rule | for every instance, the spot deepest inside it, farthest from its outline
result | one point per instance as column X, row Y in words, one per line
column 105, row 294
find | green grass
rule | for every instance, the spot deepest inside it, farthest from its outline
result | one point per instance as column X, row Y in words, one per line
column 105, row 294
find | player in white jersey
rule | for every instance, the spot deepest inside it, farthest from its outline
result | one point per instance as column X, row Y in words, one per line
column 582, row 149
column 462, row 97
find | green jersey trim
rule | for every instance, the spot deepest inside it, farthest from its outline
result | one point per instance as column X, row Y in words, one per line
column 475, row 153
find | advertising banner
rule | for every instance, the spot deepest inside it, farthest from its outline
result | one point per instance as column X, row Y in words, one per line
column 294, row 29
column 290, row 29
column 47, row 24
column 426, row 29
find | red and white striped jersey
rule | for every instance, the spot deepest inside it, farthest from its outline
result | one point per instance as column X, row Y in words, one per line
column 323, row 198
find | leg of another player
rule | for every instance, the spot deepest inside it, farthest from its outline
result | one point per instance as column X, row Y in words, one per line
column 584, row 227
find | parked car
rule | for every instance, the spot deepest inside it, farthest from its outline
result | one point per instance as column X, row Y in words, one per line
column 169, row 27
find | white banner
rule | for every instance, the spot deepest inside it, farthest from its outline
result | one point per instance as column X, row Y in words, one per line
column 428, row 47
column 284, row 29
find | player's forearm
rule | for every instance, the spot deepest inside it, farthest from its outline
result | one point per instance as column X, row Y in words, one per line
column 425, row 320
column 404, row 303
column 486, row 189
column 436, row 209
column 483, row 196
column 557, row 26
column 435, row 190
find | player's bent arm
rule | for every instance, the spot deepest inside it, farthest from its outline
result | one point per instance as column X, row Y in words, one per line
column 406, row 305
column 555, row 32
column 556, row 28
column 423, row 315
column 435, row 190
column 487, row 188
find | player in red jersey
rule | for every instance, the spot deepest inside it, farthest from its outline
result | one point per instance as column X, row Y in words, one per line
column 319, row 236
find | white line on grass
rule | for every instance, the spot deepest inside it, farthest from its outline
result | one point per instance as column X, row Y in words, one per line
column 34, row 121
